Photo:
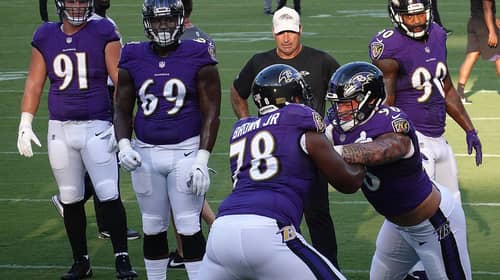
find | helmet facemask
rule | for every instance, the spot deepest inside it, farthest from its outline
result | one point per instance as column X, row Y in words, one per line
column 163, row 21
column 399, row 8
column 348, row 113
column 76, row 13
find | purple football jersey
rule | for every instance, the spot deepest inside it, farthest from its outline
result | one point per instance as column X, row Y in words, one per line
column 271, row 172
column 166, row 90
column 76, row 68
column 422, row 70
column 397, row 187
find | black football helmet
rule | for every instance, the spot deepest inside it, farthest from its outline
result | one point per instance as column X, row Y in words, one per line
column 75, row 16
column 277, row 85
column 154, row 12
column 356, row 91
column 398, row 8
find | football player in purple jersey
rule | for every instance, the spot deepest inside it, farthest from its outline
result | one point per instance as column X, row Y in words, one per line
column 191, row 32
column 412, row 57
column 423, row 221
column 77, row 55
column 176, row 86
column 99, row 12
column 274, row 160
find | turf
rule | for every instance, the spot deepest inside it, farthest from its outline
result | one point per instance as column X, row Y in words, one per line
column 33, row 244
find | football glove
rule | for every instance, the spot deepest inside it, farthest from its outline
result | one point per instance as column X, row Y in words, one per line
column 110, row 134
column 474, row 142
column 26, row 135
column 128, row 157
column 199, row 179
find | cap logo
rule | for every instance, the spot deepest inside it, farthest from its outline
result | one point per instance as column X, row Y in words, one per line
column 285, row 17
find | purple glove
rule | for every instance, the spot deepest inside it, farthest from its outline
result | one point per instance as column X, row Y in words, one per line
column 474, row 142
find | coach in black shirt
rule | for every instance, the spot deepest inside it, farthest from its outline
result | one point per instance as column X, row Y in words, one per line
column 317, row 67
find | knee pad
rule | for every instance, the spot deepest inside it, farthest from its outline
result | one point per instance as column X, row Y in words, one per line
column 378, row 268
column 153, row 224
column 188, row 224
column 193, row 246
column 155, row 246
column 70, row 194
column 106, row 190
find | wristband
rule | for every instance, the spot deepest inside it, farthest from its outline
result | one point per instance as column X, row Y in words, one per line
column 124, row 144
column 202, row 157
column 26, row 119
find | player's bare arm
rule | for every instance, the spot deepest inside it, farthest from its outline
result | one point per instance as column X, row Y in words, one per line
column 455, row 107
column 124, row 105
column 112, row 52
column 209, row 94
column 384, row 149
column 490, row 23
column 37, row 75
column 344, row 177
column 390, row 68
column 239, row 104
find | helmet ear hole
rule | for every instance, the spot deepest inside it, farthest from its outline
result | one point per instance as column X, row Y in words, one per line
column 360, row 97
column 360, row 116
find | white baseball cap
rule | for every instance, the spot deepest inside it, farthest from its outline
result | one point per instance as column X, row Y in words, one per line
column 286, row 19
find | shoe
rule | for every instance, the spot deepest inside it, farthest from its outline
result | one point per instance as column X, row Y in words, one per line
column 465, row 101
column 123, row 268
column 416, row 275
column 175, row 260
column 131, row 234
column 79, row 270
column 269, row 13
column 58, row 205
column 448, row 31
column 104, row 235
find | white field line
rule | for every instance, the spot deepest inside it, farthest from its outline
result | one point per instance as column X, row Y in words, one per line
column 349, row 202
column 141, row 268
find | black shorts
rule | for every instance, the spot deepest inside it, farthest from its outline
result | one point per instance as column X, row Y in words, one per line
column 477, row 40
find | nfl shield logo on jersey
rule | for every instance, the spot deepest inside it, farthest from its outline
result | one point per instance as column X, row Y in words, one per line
column 401, row 126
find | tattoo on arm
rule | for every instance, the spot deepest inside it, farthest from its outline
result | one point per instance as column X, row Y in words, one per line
column 385, row 149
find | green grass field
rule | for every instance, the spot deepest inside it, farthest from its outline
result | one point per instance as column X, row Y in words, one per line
column 33, row 243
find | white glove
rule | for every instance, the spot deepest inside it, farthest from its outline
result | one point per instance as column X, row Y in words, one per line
column 110, row 134
column 199, row 180
column 128, row 157
column 26, row 135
